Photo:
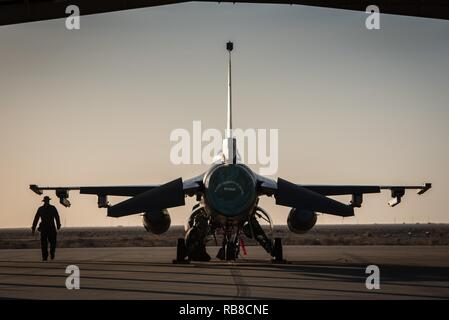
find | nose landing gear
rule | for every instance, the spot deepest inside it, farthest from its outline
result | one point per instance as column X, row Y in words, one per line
column 230, row 249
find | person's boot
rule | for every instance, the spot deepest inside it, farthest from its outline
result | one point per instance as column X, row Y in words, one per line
column 52, row 256
column 44, row 258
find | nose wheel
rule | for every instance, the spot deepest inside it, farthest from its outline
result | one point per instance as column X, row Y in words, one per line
column 232, row 251
column 229, row 250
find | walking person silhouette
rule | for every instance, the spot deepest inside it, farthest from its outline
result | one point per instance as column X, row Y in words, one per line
column 48, row 214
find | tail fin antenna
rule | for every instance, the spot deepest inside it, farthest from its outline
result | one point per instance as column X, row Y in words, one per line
column 229, row 47
column 229, row 143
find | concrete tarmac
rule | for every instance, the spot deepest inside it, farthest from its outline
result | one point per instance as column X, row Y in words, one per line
column 312, row 272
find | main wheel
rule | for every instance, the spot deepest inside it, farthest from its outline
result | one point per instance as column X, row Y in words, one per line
column 277, row 253
column 181, row 250
column 195, row 245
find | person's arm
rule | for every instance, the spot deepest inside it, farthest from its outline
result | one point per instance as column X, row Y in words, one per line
column 58, row 222
column 36, row 220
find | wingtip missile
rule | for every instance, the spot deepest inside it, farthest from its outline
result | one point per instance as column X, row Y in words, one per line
column 426, row 187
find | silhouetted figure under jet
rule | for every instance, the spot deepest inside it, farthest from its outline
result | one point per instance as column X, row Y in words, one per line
column 47, row 214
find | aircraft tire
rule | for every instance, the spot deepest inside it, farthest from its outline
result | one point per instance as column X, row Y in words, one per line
column 181, row 250
column 231, row 251
column 278, row 254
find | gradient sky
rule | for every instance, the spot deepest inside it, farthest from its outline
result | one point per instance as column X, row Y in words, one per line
column 96, row 106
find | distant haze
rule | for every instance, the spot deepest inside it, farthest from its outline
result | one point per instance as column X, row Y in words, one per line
column 96, row 106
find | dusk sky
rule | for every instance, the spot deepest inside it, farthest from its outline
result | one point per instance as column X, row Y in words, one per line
column 96, row 106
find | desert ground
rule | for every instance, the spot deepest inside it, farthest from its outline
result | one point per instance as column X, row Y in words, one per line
column 327, row 235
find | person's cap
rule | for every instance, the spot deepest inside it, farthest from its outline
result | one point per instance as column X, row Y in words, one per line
column 46, row 198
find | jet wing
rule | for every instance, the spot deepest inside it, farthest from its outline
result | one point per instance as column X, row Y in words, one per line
column 357, row 192
column 19, row 11
column 315, row 197
column 338, row 190
column 143, row 197
column 125, row 191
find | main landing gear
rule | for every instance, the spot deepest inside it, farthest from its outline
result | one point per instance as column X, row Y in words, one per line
column 277, row 252
column 181, row 252
column 253, row 230
column 228, row 252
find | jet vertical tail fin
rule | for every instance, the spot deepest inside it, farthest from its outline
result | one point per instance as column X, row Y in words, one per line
column 229, row 143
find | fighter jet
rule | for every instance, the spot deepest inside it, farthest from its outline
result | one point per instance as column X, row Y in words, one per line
column 227, row 196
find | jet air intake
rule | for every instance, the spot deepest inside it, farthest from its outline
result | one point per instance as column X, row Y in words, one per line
column 230, row 190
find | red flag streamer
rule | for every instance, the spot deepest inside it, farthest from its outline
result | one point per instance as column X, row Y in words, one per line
column 242, row 245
